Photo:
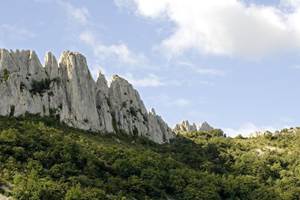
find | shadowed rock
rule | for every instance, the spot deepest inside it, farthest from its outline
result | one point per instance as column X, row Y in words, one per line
column 205, row 127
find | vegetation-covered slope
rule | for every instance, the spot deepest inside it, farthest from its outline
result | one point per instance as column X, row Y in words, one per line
column 40, row 159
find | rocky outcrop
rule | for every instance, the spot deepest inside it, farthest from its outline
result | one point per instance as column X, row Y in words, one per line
column 19, row 71
column 158, row 127
column 185, row 126
column 205, row 127
column 2, row 197
column 67, row 91
column 128, row 111
column 78, row 92
column 102, row 105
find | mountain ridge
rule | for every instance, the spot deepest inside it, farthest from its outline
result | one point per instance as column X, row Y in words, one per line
column 186, row 126
column 66, row 90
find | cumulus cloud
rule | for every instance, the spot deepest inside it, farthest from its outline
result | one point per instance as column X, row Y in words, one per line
column 227, row 27
column 248, row 129
column 15, row 32
column 119, row 51
column 150, row 80
column 202, row 70
column 290, row 3
column 10, row 32
column 96, row 69
column 80, row 15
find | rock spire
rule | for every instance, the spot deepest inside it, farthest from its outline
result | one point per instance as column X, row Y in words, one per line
column 185, row 126
column 65, row 89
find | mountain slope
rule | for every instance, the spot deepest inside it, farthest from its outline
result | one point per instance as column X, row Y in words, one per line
column 42, row 159
column 56, row 162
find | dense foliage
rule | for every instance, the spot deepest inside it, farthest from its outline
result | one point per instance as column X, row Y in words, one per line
column 41, row 159
column 5, row 74
column 39, row 87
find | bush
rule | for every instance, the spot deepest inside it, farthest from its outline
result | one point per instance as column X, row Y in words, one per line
column 48, row 160
column 133, row 111
column 5, row 74
column 39, row 87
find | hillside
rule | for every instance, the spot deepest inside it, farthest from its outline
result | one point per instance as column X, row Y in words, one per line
column 42, row 159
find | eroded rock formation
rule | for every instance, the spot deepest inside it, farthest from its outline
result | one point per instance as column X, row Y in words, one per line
column 65, row 89
column 205, row 127
column 185, row 126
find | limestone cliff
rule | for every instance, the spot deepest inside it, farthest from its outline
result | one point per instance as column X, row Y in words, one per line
column 65, row 89
column 205, row 127
column 185, row 126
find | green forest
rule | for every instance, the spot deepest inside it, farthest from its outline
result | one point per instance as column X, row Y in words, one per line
column 42, row 159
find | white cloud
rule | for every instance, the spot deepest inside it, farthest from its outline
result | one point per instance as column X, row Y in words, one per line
column 15, row 32
column 248, row 129
column 290, row 3
column 227, row 27
column 150, row 80
column 80, row 15
column 96, row 69
column 119, row 51
column 202, row 70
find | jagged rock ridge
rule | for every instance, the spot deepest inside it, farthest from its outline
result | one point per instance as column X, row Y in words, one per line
column 65, row 89
column 205, row 127
column 185, row 126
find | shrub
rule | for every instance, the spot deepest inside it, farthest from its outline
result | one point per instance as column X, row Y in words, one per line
column 39, row 87
column 5, row 74
column 133, row 111
column 22, row 86
column 12, row 111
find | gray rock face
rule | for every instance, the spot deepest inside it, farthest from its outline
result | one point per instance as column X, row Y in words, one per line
column 130, row 115
column 79, row 89
column 102, row 105
column 205, row 127
column 128, row 111
column 66, row 90
column 185, row 126
column 158, row 128
column 51, row 66
column 17, row 71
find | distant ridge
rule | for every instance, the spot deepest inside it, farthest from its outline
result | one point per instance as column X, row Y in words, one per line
column 185, row 126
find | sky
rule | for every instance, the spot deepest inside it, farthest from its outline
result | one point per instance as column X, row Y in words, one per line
column 232, row 63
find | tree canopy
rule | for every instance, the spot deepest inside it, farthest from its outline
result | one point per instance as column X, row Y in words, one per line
column 42, row 159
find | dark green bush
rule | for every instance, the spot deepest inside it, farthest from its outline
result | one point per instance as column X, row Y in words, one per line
column 39, row 87
column 44, row 159
column 5, row 74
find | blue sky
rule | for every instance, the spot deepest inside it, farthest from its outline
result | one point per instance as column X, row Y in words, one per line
column 235, row 64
